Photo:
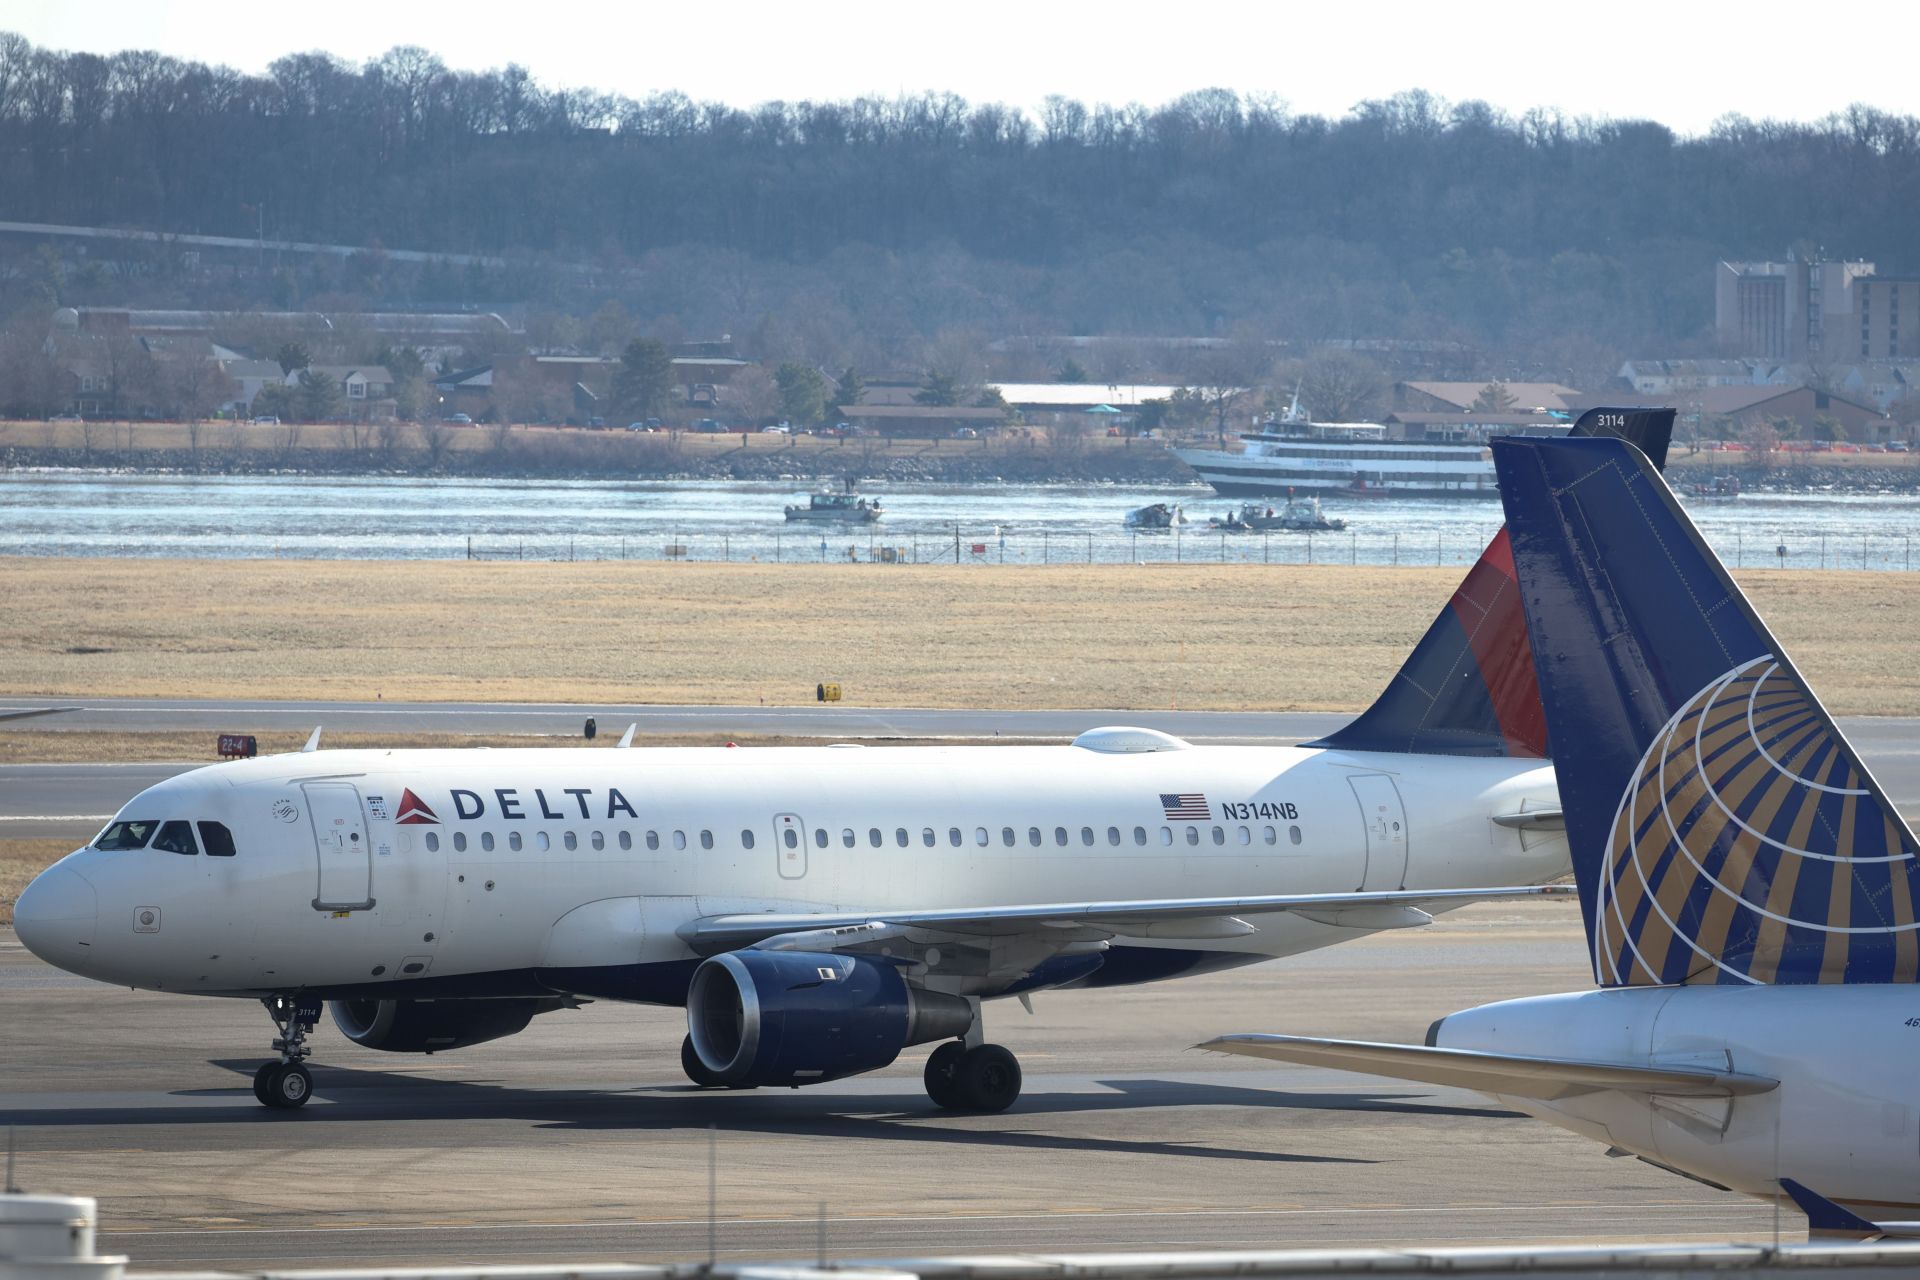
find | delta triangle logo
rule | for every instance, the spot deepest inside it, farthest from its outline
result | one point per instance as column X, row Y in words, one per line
column 414, row 811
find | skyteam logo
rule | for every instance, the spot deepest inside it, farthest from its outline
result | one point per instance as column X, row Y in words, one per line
column 414, row 811
column 1751, row 848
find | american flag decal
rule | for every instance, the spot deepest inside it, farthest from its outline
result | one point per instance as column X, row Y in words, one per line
column 1191, row 807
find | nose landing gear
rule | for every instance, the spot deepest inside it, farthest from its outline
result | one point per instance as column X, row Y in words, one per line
column 287, row 1084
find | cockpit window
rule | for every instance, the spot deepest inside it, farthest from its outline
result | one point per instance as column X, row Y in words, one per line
column 122, row 836
column 176, row 837
column 216, row 839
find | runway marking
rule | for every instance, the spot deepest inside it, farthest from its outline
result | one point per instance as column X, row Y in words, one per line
column 983, row 1216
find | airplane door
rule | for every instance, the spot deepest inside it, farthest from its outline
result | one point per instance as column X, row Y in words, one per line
column 790, row 845
column 340, row 836
column 1385, row 821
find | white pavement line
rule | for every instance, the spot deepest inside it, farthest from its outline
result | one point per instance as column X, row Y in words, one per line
column 949, row 1218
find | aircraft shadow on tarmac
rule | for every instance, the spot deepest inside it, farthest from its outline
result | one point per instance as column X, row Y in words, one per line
column 387, row 1097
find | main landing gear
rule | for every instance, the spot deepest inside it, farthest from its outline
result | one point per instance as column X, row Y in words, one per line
column 968, row 1075
column 287, row 1084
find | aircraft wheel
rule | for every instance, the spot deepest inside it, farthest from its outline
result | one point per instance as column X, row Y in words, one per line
column 287, row 1085
column 260, row 1082
column 942, row 1076
column 989, row 1078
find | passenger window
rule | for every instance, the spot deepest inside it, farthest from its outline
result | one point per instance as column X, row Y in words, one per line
column 1293, row 834
column 791, row 837
column 433, row 842
column 1033, row 836
column 746, row 838
column 513, row 841
column 486, row 841
column 1086, row 836
column 626, row 840
column 569, row 840
column 846, row 838
column 1006, row 836
column 459, row 842
column 1060, row 836
column 679, row 839
column 926, row 836
column 176, row 837
column 216, row 839
column 1193, row 835
column 1113, row 835
column 819, row 837
column 980, row 836
column 1268, row 834
column 597, row 840
column 1166, row 835
column 1219, row 836
column 1246, row 836
column 706, row 839
column 953, row 836
column 541, row 842
column 900, row 836
column 653, row 839
column 122, row 837
column 873, row 837
column 1140, row 835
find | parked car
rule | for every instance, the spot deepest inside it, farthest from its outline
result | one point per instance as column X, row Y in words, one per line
column 266, row 420
column 1899, row 446
column 708, row 425
column 458, row 420
column 66, row 417
column 965, row 433
column 640, row 426
column 777, row 429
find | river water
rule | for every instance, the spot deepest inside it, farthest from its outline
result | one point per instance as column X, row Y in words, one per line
column 82, row 513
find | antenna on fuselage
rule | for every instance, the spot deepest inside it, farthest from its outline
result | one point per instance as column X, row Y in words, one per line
column 313, row 740
column 626, row 739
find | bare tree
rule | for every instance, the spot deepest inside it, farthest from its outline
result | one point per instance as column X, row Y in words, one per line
column 1340, row 386
column 438, row 438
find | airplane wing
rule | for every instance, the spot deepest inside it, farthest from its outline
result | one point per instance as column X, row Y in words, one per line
column 1513, row 1075
column 1166, row 917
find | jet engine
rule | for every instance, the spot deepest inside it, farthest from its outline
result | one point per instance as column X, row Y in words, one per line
column 428, row 1026
column 798, row 1017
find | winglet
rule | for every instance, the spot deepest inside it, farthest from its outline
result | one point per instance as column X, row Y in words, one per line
column 313, row 740
column 626, row 739
column 1825, row 1218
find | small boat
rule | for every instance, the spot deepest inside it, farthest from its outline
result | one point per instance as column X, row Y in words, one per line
column 1159, row 515
column 1299, row 515
column 1714, row 488
column 837, row 508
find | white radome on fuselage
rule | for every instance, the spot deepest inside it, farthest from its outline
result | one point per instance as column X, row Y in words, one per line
column 571, row 896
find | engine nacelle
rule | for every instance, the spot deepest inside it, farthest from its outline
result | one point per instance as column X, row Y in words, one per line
column 429, row 1026
column 801, row 1017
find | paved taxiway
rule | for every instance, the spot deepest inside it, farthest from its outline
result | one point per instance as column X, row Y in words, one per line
column 580, row 1139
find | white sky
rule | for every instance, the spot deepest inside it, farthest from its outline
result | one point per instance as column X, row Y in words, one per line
column 1682, row 62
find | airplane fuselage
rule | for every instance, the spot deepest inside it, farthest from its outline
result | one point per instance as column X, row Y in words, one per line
column 377, row 874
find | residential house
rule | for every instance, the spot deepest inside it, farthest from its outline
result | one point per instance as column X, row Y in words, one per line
column 1461, row 396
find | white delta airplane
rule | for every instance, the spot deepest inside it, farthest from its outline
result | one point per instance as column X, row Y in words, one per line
column 817, row 909
column 1748, row 889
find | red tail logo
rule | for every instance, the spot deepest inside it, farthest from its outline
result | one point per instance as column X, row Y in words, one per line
column 414, row 811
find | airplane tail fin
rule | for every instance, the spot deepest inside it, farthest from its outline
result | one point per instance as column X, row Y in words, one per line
column 1468, row 687
column 1722, row 828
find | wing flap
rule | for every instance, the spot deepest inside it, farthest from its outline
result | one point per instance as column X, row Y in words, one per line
column 1121, row 918
column 1512, row 1075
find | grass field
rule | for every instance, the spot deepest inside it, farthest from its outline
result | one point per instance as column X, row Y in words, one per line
column 1104, row 636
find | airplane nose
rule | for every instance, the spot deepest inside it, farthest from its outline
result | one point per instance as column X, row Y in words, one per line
column 55, row 917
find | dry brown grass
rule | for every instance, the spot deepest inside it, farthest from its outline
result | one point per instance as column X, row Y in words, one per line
column 1121, row 636
column 21, row 861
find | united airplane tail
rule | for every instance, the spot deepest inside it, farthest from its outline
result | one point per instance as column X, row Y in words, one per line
column 1722, row 828
column 1468, row 687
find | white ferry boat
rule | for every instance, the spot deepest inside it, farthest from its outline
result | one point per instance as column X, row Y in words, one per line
column 1352, row 459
